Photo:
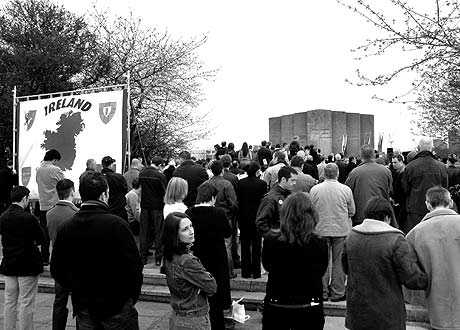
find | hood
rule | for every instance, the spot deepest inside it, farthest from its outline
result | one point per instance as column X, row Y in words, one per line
column 371, row 226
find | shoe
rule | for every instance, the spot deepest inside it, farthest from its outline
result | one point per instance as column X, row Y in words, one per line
column 337, row 299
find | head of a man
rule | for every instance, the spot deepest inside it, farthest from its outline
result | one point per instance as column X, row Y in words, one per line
column 263, row 143
column 252, row 168
column 65, row 189
column 226, row 161
column 398, row 162
column 425, row 144
column 287, row 177
column 379, row 208
column 93, row 186
column 20, row 196
column 91, row 164
column 297, row 161
column 438, row 197
column 108, row 162
column 338, row 157
column 157, row 162
column 183, row 156
column 206, row 193
column 331, row 171
column 367, row 153
column 52, row 156
column 216, row 167
column 279, row 156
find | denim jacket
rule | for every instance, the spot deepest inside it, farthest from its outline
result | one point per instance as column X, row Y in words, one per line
column 189, row 284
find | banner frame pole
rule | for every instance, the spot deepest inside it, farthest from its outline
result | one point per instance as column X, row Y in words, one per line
column 14, row 126
column 128, row 128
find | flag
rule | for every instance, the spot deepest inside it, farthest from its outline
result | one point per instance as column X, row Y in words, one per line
column 344, row 144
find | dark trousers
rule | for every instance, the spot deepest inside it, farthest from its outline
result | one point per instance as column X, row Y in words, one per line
column 234, row 249
column 277, row 318
column 216, row 314
column 60, row 310
column 45, row 247
column 151, row 227
column 250, row 255
column 127, row 319
column 412, row 220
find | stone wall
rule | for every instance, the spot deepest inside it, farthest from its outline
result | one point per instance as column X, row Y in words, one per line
column 324, row 129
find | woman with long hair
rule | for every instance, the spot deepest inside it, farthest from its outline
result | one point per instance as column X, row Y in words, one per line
column 244, row 155
column 174, row 196
column 296, row 260
column 188, row 282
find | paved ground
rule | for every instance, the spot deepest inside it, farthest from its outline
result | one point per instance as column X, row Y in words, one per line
column 154, row 316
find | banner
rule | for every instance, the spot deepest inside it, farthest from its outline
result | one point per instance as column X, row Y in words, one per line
column 79, row 126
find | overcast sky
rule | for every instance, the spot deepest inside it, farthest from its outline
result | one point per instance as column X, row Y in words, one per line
column 274, row 58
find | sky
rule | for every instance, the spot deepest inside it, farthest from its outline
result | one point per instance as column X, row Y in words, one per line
column 274, row 58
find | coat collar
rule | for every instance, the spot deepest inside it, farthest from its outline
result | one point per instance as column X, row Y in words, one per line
column 62, row 202
column 375, row 226
column 438, row 212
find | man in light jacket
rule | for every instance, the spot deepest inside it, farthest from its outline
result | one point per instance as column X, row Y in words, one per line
column 334, row 204
column 436, row 243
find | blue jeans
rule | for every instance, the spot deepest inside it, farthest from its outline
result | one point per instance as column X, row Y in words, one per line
column 20, row 293
column 177, row 322
column 127, row 319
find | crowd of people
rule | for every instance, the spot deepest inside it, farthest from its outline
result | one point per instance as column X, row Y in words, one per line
column 325, row 228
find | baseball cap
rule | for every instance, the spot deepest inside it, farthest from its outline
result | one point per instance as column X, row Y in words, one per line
column 107, row 161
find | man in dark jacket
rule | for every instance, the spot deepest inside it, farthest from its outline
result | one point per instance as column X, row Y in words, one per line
column 422, row 173
column 8, row 179
column 117, row 187
column 453, row 172
column 268, row 216
column 250, row 192
column 95, row 256
column 264, row 155
column 194, row 174
column 21, row 262
column 153, row 186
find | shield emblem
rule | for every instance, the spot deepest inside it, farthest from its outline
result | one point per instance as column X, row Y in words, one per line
column 29, row 119
column 26, row 171
column 107, row 111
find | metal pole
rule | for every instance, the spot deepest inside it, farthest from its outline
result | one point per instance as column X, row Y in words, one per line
column 128, row 152
column 14, row 128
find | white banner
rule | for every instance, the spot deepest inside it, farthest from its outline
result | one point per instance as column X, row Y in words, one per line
column 80, row 127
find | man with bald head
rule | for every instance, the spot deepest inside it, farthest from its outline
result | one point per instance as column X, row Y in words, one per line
column 368, row 180
column 422, row 173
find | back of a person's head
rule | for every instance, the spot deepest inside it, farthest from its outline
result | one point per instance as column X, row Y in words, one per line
column 338, row 157
column 280, row 156
column 297, row 218
column 135, row 183
column 331, row 171
column 185, row 155
column 135, row 163
column 378, row 208
column 52, row 154
column 286, row 172
column 231, row 146
column 18, row 193
column 223, row 144
column 452, row 158
column 226, row 160
column 425, row 144
column 64, row 188
column 297, row 161
column 205, row 193
column 92, row 185
column 252, row 168
column 170, row 235
column 438, row 196
column 367, row 152
column 263, row 143
column 176, row 190
column 216, row 167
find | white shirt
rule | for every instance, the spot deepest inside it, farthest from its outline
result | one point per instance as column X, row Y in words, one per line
column 176, row 207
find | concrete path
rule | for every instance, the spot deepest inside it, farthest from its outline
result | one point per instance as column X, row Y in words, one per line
column 154, row 316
